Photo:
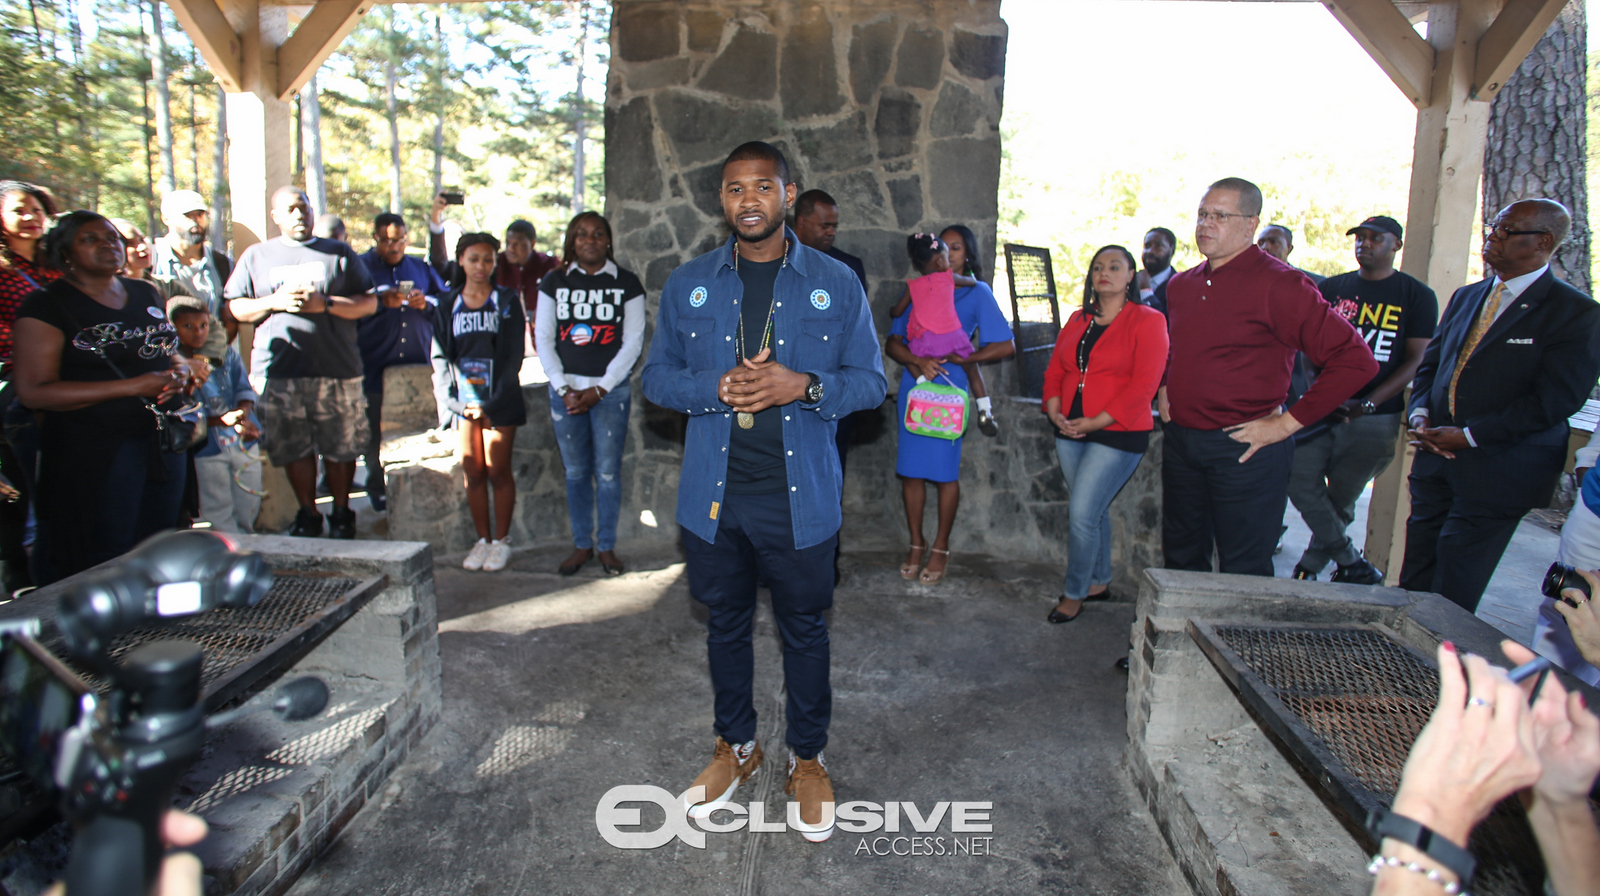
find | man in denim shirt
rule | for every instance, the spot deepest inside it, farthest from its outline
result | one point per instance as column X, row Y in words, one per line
column 765, row 343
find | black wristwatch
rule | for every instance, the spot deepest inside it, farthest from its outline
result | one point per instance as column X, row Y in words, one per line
column 814, row 391
column 1367, row 407
column 1382, row 823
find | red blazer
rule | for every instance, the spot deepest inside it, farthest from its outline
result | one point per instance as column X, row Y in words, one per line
column 1125, row 367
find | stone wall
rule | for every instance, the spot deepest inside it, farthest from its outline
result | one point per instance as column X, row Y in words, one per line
column 892, row 107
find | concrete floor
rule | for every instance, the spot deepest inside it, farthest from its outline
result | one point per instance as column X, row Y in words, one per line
column 556, row 690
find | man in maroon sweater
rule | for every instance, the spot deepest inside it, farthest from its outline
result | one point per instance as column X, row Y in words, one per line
column 1236, row 322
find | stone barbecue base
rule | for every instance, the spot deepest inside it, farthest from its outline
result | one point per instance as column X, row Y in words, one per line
column 1237, row 816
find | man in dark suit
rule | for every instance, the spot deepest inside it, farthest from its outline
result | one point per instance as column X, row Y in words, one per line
column 816, row 223
column 1514, row 356
column 1159, row 246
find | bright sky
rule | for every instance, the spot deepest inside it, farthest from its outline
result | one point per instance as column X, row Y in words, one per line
column 1119, row 112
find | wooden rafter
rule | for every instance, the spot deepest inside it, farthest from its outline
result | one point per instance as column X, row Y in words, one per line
column 208, row 28
column 1508, row 41
column 318, row 35
column 1389, row 38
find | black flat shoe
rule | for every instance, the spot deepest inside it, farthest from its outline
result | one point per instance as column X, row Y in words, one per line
column 613, row 569
column 1057, row 617
column 1121, row 665
column 573, row 563
column 1095, row 598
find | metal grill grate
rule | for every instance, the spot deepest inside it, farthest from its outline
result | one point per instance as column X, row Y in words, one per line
column 1366, row 697
column 1346, row 704
column 230, row 637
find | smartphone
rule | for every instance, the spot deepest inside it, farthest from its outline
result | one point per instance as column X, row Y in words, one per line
column 405, row 287
column 40, row 698
column 453, row 197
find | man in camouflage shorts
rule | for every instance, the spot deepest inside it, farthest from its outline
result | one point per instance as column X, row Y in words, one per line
column 305, row 294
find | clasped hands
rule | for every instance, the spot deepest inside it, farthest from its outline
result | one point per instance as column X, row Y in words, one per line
column 1444, row 441
column 579, row 401
column 759, row 383
column 299, row 300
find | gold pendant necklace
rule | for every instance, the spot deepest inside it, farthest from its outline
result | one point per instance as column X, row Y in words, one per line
column 746, row 419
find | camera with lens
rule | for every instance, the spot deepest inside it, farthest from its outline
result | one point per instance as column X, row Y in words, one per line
column 1561, row 576
column 115, row 756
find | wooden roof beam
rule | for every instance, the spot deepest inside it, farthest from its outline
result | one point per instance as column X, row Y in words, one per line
column 216, row 40
column 1389, row 38
column 1508, row 41
column 317, row 36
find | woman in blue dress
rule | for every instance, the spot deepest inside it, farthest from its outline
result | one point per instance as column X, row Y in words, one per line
column 924, row 459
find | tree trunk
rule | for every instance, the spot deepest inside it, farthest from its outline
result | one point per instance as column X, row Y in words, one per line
column 1538, row 140
column 578, row 122
column 392, row 109
column 438, row 121
column 219, row 176
column 311, row 124
column 194, row 124
column 163, row 106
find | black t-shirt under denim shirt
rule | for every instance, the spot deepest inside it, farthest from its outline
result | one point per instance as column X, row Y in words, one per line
column 755, row 456
column 1386, row 313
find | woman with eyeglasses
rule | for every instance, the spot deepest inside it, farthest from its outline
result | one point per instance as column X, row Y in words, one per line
column 1103, row 375
column 94, row 351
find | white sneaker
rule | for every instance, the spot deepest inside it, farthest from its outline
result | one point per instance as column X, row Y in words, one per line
column 475, row 557
column 497, row 555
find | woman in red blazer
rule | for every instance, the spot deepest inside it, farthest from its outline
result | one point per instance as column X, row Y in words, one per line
column 1107, row 365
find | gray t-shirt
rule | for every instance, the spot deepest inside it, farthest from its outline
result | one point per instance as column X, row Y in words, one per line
column 299, row 344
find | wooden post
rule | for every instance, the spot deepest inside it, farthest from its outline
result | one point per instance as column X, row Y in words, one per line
column 1441, row 225
column 242, row 41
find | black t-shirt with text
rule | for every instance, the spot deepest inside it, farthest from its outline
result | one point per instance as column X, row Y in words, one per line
column 137, row 338
column 1386, row 313
column 755, row 456
column 588, row 314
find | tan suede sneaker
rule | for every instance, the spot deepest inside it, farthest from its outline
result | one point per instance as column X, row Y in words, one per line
column 731, row 765
column 812, row 789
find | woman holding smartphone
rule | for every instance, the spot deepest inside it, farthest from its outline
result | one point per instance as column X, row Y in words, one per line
column 477, row 353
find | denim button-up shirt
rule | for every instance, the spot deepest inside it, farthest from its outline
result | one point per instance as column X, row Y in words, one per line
column 822, row 325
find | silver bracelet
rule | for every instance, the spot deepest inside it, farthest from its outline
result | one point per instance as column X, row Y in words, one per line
column 1380, row 862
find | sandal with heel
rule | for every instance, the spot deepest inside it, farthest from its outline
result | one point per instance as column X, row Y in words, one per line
column 932, row 577
column 908, row 571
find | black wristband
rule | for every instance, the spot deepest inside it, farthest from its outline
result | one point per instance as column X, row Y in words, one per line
column 1382, row 823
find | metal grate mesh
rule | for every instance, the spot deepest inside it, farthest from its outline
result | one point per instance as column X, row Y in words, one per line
column 1366, row 699
column 231, row 636
column 1364, row 695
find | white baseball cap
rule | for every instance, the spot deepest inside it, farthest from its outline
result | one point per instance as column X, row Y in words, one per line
column 182, row 202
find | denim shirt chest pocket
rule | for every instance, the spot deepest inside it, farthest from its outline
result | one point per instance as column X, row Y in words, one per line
column 701, row 345
column 822, row 338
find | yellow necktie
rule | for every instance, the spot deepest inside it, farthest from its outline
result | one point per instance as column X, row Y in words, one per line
column 1485, row 320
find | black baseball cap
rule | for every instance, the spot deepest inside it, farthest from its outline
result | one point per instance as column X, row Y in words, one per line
column 1382, row 223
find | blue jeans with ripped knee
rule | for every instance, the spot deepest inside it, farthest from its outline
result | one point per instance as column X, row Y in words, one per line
column 591, row 450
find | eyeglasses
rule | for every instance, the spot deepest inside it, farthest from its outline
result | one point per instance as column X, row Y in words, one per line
column 1204, row 216
column 1499, row 234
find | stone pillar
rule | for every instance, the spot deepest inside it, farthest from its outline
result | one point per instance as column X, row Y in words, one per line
column 892, row 107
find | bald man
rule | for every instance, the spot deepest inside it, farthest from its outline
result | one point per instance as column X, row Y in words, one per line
column 1515, row 355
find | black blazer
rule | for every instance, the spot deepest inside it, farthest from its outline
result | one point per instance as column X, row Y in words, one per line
column 1158, row 299
column 1533, row 369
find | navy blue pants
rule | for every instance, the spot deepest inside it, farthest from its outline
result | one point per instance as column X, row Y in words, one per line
column 1209, row 498
column 755, row 539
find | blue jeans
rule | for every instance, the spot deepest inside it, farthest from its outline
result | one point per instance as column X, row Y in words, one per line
column 591, row 449
column 1095, row 473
